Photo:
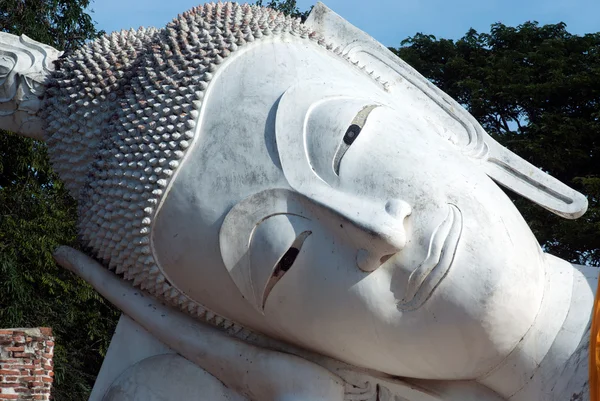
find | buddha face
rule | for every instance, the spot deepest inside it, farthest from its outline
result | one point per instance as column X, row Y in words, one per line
column 319, row 209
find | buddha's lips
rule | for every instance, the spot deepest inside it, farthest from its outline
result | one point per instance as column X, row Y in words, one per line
column 440, row 255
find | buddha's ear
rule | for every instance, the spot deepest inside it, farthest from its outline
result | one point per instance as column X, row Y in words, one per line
column 503, row 166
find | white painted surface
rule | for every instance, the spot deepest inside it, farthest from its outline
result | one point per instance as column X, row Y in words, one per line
column 260, row 373
column 168, row 377
column 255, row 372
column 130, row 344
column 257, row 177
column 503, row 166
column 25, row 66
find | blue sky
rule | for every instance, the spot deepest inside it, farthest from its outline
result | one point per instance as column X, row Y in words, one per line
column 389, row 21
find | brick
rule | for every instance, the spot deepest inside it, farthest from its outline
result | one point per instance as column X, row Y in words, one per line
column 15, row 349
column 27, row 370
column 23, row 355
column 46, row 331
column 8, row 372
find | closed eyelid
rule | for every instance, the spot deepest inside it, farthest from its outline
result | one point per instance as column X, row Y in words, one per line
column 351, row 134
column 361, row 116
column 284, row 264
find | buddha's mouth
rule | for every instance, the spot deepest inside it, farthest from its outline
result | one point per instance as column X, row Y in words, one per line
column 440, row 255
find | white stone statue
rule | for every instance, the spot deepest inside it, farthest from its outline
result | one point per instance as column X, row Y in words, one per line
column 287, row 211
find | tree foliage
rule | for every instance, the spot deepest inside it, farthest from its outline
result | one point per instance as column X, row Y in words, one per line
column 37, row 215
column 288, row 7
column 536, row 89
column 65, row 24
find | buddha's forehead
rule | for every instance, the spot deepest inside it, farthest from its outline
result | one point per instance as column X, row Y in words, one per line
column 237, row 123
column 262, row 73
column 243, row 98
column 286, row 99
column 322, row 94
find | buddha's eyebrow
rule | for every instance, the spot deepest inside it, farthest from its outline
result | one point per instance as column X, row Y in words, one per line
column 350, row 136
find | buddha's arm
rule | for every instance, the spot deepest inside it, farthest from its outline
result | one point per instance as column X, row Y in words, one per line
column 257, row 373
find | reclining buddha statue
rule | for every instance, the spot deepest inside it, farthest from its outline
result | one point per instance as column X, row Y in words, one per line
column 285, row 210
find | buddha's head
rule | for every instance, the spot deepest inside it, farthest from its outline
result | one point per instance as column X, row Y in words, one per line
column 299, row 181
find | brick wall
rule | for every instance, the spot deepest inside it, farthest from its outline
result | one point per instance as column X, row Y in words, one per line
column 26, row 364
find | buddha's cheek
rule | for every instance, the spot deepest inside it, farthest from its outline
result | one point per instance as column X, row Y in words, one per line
column 484, row 306
column 470, row 322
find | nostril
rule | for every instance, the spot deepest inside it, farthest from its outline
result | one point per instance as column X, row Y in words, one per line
column 369, row 261
column 398, row 209
column 385, row 258
column 366, row 261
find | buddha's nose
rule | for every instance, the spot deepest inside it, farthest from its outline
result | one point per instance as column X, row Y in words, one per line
column 386, row 234
column 376, row 228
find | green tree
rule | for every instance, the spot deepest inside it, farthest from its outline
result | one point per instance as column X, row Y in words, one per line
column 287, row 7
column 536, row 89
column 37, row 214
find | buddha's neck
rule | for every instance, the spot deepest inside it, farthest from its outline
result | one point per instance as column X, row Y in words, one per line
column 551, row 360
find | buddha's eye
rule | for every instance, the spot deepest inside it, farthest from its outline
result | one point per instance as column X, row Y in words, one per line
column 350, row 136
column 285, row 264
